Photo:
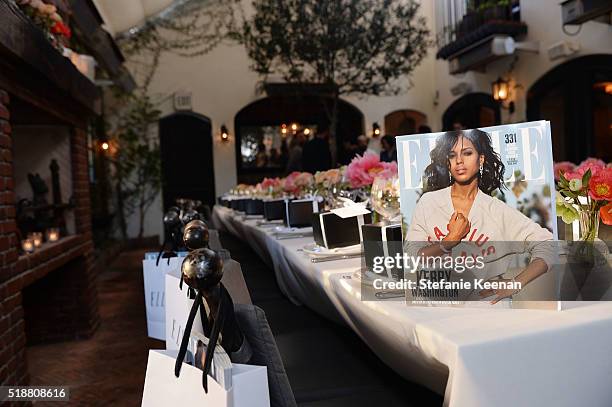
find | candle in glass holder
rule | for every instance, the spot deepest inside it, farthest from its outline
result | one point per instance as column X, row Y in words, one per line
column 36, row 238
column 27, row 245
column 53, row 234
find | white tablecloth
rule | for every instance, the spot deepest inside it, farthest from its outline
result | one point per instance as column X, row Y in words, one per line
column 475, row 357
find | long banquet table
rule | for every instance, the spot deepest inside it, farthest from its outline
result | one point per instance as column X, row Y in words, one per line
column 473, row 356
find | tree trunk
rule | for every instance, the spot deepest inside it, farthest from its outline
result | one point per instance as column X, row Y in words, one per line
column 121, row 211
column 333, row 127
column 141, row 220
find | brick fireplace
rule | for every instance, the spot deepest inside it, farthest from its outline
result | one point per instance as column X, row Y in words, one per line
column 50, row 294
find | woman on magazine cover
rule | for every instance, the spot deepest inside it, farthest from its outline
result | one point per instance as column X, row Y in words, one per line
column 457, row 214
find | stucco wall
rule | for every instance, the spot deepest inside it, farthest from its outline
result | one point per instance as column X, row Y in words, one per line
column 221, row 83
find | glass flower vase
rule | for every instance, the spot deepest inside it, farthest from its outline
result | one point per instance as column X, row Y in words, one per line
column 589, row 224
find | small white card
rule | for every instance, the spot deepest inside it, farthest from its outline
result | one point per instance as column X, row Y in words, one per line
column 351, row 209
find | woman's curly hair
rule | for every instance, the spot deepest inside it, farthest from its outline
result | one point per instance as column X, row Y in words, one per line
column 437, row 174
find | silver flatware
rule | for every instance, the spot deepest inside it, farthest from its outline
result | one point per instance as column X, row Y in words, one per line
column 292, row 236
column 335, row 257
column 389, row 294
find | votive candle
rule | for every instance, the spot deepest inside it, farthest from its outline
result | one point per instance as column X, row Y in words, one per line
column 37, row 239
column 27, row 245
column 52, row 235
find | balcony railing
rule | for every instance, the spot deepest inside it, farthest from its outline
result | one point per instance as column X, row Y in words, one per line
column 465, row 26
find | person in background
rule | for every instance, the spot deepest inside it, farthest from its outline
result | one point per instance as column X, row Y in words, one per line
column 362, row 144
column 388, row 153
column 261, row 159
column 296, row 147
column 423, row 128
column 316, row 155
column 374, row 144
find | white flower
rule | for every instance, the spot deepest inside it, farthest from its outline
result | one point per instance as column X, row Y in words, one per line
column 575, row 184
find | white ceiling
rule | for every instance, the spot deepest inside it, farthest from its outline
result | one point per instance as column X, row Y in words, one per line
column 121, row 15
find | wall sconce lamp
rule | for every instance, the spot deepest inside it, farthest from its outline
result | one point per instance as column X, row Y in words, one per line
column 376, row 129
column 224, row 134
column 103, row 143
column 500, row 89
column 501, row 92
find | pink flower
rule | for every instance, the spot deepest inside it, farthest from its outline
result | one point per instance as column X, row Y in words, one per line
column 327, row 179
column 563, row 167
column 297, row 181
column 593, row 160
column 592, row 164
column 363, row 169
column 600, row 185
column 270, row 183
column 389, row 171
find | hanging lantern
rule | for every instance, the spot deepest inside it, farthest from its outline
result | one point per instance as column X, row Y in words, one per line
column 500, row 89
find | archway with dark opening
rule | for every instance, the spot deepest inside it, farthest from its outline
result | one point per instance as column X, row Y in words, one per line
column 261, row 146
column 579, row 110
column 405, row 121
column 187, row 158
column 472, row 111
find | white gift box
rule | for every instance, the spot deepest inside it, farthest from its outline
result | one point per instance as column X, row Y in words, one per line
column 162, row 388
column 154, row 291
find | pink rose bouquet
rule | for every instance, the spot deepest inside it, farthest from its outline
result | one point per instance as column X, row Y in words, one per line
column 363, row 169
column 297, row 183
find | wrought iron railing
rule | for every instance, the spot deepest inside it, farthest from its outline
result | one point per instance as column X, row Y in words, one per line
column 458, row 18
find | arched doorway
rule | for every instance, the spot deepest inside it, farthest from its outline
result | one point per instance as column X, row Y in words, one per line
column 579, row 110
column 405, row 121
column 259, row 133
column 185, row 140
column 472, row 111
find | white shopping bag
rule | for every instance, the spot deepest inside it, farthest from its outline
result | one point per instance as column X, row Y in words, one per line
column 154, row 291
column 178, row 305
column 162, row 388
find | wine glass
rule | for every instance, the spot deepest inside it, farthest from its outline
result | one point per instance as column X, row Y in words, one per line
column 385, row 197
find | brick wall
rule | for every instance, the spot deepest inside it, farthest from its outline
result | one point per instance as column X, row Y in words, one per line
column 49, row 295
column 13, row 369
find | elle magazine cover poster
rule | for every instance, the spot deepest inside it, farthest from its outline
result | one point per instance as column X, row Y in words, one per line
column 516, row 178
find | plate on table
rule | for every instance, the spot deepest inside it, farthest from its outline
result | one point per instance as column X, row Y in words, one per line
column 314, row 250
column 269, row 223
column 285, row 230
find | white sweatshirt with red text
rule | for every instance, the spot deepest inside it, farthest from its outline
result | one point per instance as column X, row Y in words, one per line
column 498, row 232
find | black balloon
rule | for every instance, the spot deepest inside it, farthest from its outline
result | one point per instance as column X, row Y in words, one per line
column 171, row 220
column 202, row 269
column 195, row 235
column 190, row 215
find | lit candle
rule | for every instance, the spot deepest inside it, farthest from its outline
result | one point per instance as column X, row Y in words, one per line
column 52, row 235
column 27, row 245
column 36, row 238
